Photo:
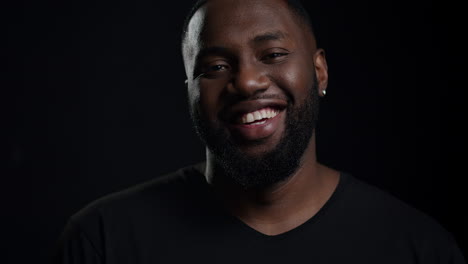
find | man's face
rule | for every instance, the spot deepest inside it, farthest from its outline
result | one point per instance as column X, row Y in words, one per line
column 252, row 87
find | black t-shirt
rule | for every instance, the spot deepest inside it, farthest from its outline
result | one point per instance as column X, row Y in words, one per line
column 175, row 219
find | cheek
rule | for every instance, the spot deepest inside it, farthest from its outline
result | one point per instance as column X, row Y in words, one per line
column 295, row 79
column 193, row 96
column 193, row 93
column 209, row 99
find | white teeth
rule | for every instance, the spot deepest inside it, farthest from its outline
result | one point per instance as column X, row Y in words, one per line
column 259, row 115
column 250, row 118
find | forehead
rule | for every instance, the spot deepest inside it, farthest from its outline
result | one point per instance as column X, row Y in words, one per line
column 221, row 22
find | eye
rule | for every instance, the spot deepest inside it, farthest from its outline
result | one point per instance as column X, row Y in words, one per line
column 214, row 70
column 217, row 68
column 274, row 57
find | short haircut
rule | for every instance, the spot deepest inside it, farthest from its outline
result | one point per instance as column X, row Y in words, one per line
column 294, row 5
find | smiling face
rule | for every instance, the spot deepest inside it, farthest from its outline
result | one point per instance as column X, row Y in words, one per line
column 254, row 76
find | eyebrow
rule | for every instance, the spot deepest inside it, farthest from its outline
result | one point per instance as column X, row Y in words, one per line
column 215, row 50
column 225, row 52
column 268, row 36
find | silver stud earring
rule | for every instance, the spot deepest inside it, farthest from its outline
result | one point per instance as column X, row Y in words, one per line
column 324, row 92
column 186, row 82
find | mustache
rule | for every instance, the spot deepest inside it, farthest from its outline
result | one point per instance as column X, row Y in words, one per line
column 236, row 99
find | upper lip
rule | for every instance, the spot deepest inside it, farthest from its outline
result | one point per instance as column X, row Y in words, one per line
column 244, row 107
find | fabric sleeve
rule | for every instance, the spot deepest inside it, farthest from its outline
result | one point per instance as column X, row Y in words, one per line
column 456, row 254
column 442, row 249
column 74, row 246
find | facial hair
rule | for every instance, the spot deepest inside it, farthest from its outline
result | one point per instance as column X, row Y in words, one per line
column 270, row 167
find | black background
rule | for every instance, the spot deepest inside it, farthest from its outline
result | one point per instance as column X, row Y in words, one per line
column 99, row 104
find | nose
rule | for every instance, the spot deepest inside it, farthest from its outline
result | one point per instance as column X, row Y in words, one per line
column 250, row 80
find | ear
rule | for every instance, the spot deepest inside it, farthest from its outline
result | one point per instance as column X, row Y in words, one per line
column 321, row 71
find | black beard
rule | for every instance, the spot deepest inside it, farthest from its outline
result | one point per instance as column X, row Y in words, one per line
column 272, row 167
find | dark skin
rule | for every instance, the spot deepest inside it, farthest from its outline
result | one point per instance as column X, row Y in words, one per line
column 234, row 49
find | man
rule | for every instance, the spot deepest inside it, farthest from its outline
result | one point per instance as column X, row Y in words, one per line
column 254, row 79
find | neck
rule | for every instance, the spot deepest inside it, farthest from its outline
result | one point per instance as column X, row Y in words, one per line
column 278, row 207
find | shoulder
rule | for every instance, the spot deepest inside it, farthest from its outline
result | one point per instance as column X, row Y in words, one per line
column 378, row 203
column 379, row 212
column 152, row 207
column 160, row 197
column 381, row 206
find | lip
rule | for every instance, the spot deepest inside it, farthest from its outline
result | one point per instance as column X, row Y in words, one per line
column 253, row 132
column 233, row 113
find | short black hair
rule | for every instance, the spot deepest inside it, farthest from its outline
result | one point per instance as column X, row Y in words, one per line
column 294, row 5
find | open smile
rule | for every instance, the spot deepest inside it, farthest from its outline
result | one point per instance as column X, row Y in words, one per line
column 257, row 125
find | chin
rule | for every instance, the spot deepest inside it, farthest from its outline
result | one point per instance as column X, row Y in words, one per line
column 257, row 149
